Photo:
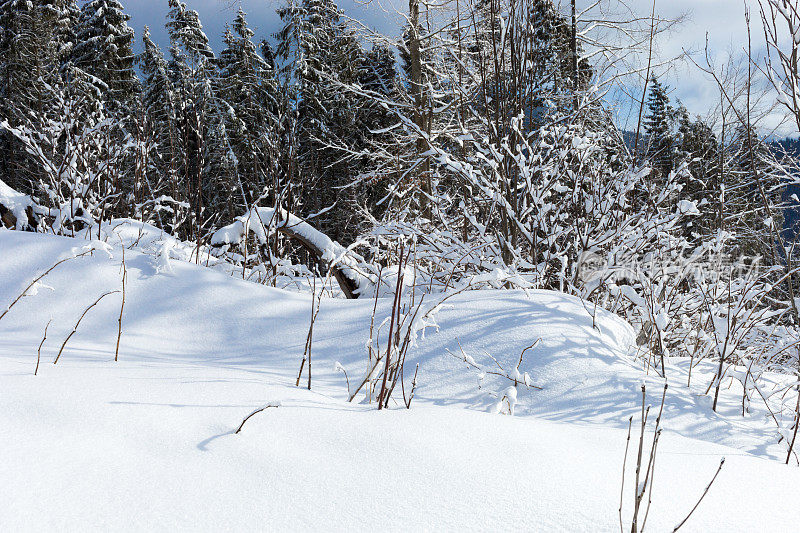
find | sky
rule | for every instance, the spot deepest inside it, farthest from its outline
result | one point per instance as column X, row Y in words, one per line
column 261, row 16
column 723, row 23
column 722, row 20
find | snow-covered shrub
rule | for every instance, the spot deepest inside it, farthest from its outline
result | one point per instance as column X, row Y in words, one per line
column 79, row 152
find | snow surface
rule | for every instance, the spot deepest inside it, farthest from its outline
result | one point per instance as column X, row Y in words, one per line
column 147, row 442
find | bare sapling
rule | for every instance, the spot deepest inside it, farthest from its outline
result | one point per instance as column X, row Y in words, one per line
column 122, row 305
column 382, row 396
column 398, row 368
column 406, row 320
column 781, row 25
column 386, row 369
column 514, row 375
column 315, row 305
column 316, row 301
column 734, row 318
column 310, row 336
column 647, row 482
column 373, row 347
column 645, row 469
column 696, row 505
column 339, row 368
column 39, row 351
column 413, row 389
column 75, row 328
column 795, row 426
column 367, row 378
column 624, row 464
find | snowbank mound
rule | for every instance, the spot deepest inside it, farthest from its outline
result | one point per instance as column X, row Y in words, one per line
column 147, row 442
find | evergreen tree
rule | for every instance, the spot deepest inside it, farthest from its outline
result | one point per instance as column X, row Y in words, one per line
column 697, row 145
column 378, row 78
column 104, row 51
column 751, row 193
column 66, row 37
column 549, row 55
column 192, row 70
column 158, row 183
column 248, row 88
column 657, row 127
column 32, row 32
column 101, row 71
column 283, row 133
column 322, row 55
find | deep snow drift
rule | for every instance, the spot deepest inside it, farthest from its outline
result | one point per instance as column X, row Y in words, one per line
column 147, row 442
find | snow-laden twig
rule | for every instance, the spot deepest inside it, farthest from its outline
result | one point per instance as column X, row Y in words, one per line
column 337, row 367
column 514, row 375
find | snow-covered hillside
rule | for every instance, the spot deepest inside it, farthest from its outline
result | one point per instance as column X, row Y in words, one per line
column 147, row 442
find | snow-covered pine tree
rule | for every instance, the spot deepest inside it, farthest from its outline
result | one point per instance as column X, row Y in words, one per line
column 247, row 88
column 192, row 71
column 31, row 34
column 104, row 51
column 379, row 78
column 66, row 33
column 158, row 178
column 753, row 196
column 284, row 111
column 697, row 144
column 102, row 68
column 322, row 56
column 552, row 76
column 657, row 127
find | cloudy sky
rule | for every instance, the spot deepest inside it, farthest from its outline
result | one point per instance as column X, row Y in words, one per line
column 722, row 20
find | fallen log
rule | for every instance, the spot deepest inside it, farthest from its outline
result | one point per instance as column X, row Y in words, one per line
column 347, row 267
column 347, row 282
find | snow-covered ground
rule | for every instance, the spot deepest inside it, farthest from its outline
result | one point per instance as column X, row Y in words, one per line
column 147, row 442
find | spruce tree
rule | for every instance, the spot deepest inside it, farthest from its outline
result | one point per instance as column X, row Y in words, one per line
column 104, row 51
column 248, row 88
column 32, row 32
column 192, row 71
column 657, row 127
column 322, row 56
column 65, row 34
column 158, row 186
column 550, row 72
column 752, row 193
column 378, row 78
column 697, row 145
